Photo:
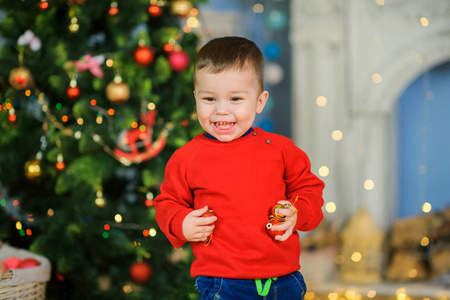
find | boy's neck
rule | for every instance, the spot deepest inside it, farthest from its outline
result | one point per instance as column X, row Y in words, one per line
column 209, row 136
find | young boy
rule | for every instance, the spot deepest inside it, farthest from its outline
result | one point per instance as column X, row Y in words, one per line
column 240, row 173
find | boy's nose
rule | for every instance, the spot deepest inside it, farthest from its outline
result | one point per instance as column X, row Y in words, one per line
column 222, row 107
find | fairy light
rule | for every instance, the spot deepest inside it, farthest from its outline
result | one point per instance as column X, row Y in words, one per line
column 356, row 256
column 152, row 232
column 99, row 119
column 27, row 93
column 371, row 294
column 258, row 8
column 127, row 289
column 333, row 296
column 193, row 22
column 80, row 121
column 426, row 207
column 93, row 102
column 369, row 184
column 29, row 232
column 330, row 207
column 145, row 232
column 65, row 118
column 142, row 128
column 324, row 171
column 376, row 77
column 424, row 241
column 16, row 202
column 350, row 294
column 134, row 124
column 412, row 273
column 18, row 225
column 321, row 101
column 50, row 212
column 151, row 106
column 118, row 218
column 424, row 22
column 337, row 135
column 109, row 62
column 111, row 112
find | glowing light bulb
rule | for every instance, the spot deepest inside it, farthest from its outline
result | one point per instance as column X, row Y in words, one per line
column 330, row 207
column 324, row 171
column 426, row 207
column 369, row 184
column 337, row 135
column 356, row 257
column 321, row 101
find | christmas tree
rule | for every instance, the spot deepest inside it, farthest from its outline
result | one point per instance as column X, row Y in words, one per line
column 95, row 96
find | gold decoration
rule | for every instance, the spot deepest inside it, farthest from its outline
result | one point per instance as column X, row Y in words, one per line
column 117, row 91
column 181, row 8
column 20, row 78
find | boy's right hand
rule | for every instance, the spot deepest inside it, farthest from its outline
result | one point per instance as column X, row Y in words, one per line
column 197, row 228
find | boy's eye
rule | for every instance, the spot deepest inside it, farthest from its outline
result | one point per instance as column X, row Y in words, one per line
column 208, row 98
column 236, row 98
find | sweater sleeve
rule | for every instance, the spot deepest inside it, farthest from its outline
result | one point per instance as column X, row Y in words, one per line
column 174, row 202
column 303, row 189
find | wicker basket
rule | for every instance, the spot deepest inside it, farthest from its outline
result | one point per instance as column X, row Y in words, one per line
column 27, row 284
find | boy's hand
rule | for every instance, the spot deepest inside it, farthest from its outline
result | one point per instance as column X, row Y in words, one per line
column 197, row 228
column 287, row 226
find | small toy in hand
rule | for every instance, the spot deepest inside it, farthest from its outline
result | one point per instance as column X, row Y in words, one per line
column 207, row 214
column 277, row 219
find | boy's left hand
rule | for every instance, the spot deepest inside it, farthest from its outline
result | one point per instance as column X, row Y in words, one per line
column 287, row 226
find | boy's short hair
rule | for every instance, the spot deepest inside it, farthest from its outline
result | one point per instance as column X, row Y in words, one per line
column 229, row 52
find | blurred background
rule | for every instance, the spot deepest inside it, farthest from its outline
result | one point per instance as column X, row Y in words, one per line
column 96, row 96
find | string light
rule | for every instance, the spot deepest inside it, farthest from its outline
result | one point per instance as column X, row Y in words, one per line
column 321, row 101
column 426, row 207
column 330, row 207
column 258, row 8
column 424, row 22
column 369, row 184
column 337, row 135
column 376, row 77
column 324, row 171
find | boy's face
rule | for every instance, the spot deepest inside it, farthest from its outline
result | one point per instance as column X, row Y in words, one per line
column 228, row 102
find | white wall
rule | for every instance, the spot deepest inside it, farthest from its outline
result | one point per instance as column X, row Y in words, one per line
column 337, row 46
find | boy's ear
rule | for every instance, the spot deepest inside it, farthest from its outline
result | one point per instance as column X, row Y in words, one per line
column 262, row 99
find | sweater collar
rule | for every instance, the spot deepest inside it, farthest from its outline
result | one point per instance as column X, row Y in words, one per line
column 213, row 138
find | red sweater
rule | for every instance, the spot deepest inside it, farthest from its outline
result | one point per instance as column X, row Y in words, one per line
column 240, row 180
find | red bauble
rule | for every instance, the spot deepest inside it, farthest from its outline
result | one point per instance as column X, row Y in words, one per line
column 141, row 272
column 20, row 78
column 208, row 213
column 73, row 92
column 12, row 118
column 155, row 10
column 43, row 5
column 179, row 60
column 27, row 263
column 269, row 225
column 144, row 55
column 12, row 262
column 60, row 166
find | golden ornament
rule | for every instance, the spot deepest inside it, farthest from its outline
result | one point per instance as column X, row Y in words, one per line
column 33, row 169
column 117, row 91
column 20, row 78
column 181, row 8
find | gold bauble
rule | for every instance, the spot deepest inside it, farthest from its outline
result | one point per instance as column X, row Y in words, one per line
column 20, row 78
column 33, row 169
column 117, row 91
column 181, row 7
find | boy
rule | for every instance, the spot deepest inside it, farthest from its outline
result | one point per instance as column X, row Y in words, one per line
column 240, row 173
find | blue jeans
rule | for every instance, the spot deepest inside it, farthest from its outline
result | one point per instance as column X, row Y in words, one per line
column 289, row 287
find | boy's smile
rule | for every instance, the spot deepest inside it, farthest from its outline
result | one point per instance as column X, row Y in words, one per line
column 227, row 102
